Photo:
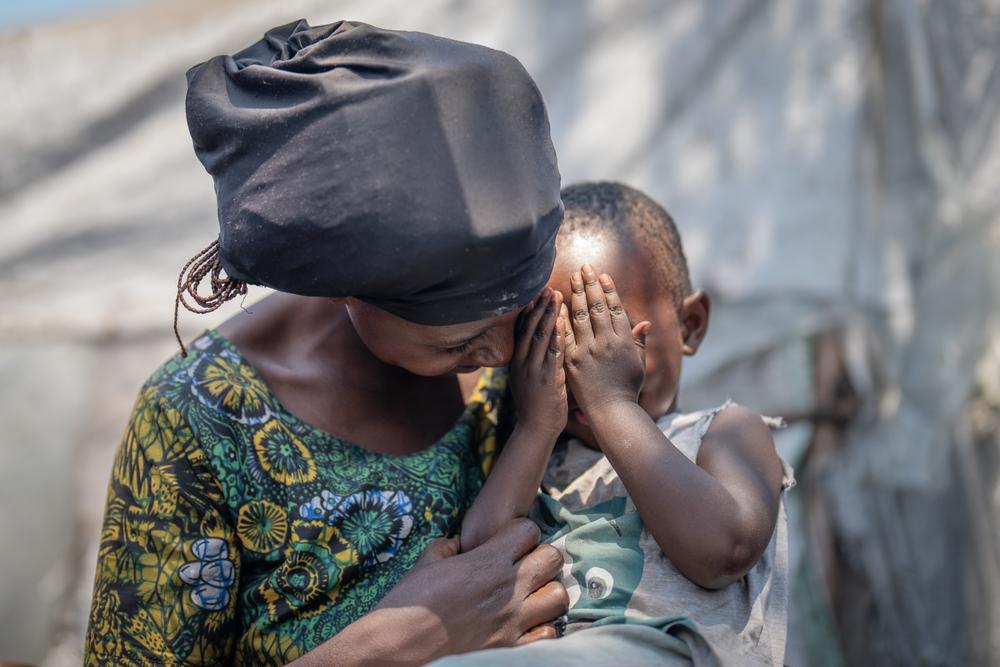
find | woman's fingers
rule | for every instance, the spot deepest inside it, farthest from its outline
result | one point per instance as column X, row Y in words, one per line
column 541, row 339
column 557, row 351
column 529, row 324
column 545, row 631
column 600, row 320
column 568, row 339
column 556, row 342
column 438, row 549
column 544, row 605
column 514, row 539
column 537, row 568
column 619, row 319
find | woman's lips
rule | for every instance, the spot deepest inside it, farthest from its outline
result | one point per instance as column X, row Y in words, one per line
column 580, row 417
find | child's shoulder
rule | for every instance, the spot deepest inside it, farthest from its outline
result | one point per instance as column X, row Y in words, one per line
column 738, row 434
column 740, row 421
column 728, row 417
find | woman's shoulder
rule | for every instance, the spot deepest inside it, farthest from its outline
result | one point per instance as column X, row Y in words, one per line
column 212, row 375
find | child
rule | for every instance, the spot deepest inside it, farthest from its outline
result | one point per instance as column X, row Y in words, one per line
column 671, row 525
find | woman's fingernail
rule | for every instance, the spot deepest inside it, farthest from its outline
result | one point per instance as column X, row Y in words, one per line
column 587, row 269
column 605, row 279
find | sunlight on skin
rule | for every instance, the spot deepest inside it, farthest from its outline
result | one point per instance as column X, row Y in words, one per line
column 586, row 245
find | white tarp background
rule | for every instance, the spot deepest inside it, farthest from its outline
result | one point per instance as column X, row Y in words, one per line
column 832, row 166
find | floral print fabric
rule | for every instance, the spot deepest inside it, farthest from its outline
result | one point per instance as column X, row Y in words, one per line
column 235, row 533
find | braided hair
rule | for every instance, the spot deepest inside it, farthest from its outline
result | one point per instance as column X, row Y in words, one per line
column 205, row 263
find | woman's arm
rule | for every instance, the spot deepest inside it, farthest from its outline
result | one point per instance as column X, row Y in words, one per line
column 539, row 386
column 453, row 603
column 168, row 566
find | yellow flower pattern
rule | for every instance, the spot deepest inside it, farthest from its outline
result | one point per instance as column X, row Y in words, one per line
column 262, row 526
column 282, row 455
column 236, row 534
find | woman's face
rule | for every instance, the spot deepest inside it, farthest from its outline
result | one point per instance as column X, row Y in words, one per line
column 434, row 350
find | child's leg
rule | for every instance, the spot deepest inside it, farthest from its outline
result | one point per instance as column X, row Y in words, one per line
column 605, row 645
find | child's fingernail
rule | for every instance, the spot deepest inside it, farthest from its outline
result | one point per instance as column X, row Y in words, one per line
column 546, row 292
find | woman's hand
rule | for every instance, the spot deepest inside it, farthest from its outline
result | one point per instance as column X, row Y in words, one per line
column 604, row 354
column 538, row 380
column 495, row 595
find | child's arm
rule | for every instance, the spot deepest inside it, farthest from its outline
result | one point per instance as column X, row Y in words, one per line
column 713, row 520
column 538, row 381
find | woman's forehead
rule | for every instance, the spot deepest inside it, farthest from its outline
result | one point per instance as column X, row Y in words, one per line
column 460, row 333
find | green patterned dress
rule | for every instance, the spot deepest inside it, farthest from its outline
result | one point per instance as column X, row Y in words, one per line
column 236, row 533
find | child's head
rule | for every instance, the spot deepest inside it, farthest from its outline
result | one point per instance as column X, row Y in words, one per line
column 622, row 232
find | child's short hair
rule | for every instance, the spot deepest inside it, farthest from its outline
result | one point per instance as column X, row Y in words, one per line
column 626, row 214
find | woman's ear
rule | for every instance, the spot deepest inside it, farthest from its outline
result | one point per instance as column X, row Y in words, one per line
column 694, row 320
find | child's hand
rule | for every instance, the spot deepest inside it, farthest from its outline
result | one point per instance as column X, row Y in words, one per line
column 605, row 359
column 537, row 375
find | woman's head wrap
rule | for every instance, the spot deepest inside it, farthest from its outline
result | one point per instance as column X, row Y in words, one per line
column 414, row 172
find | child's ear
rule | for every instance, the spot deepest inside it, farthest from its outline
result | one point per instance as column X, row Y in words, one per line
column 694, row 320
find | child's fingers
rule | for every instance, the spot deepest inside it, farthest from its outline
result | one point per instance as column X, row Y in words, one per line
column 582, row 332
column 525, row 337
column 639, row 333
column 600, row 321
column 542, row 334
column 619, row 319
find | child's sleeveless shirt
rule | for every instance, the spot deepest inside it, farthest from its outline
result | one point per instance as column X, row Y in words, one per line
column 615, row 571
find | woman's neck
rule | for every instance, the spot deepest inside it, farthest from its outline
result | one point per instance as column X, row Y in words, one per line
column 313, row 334
column 308, row 352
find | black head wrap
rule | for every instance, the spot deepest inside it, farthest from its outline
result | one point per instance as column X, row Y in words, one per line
column 414, row 172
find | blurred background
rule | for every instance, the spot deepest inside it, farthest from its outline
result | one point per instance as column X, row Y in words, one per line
column 834, row 168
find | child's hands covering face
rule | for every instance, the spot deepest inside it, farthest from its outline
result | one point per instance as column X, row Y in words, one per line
column 538, row 379
column 604, row 354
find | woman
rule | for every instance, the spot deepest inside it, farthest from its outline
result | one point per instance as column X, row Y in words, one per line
column 285, row 489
